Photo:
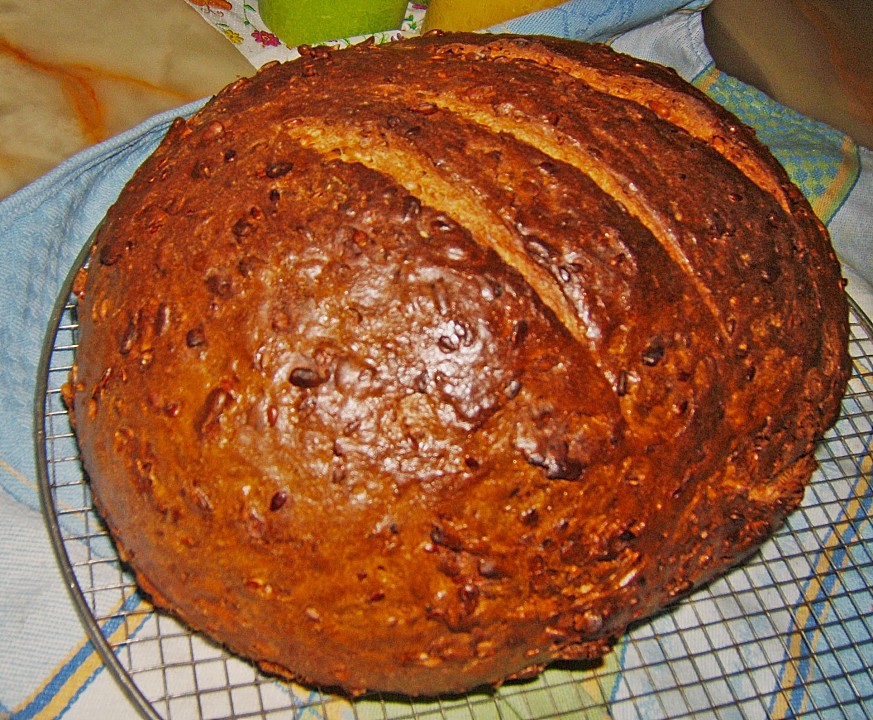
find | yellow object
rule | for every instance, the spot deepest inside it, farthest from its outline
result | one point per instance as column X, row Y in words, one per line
column 466, row 15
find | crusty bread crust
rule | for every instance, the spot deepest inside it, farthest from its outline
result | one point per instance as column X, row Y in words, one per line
column 417, row 367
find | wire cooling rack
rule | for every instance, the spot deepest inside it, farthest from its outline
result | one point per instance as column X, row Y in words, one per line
column 787, row 634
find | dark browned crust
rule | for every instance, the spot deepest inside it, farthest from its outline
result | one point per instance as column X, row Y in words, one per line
column 417, row 367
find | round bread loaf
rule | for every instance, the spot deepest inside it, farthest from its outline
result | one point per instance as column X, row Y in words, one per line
column 417, row 367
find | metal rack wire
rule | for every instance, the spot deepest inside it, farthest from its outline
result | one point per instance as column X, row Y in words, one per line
column 787, row 634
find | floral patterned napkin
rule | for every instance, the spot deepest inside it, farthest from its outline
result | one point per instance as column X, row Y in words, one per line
column 240, row 23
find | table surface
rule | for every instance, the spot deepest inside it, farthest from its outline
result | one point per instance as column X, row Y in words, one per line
column 75, row 73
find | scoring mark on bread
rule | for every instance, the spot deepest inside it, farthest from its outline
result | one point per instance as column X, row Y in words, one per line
column 353, row 145
column 548, row 138
column 652, row 87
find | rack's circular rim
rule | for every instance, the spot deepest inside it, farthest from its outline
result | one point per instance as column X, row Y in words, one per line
column 49, row 509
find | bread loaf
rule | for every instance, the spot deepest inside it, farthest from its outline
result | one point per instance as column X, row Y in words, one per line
column 418, row 367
